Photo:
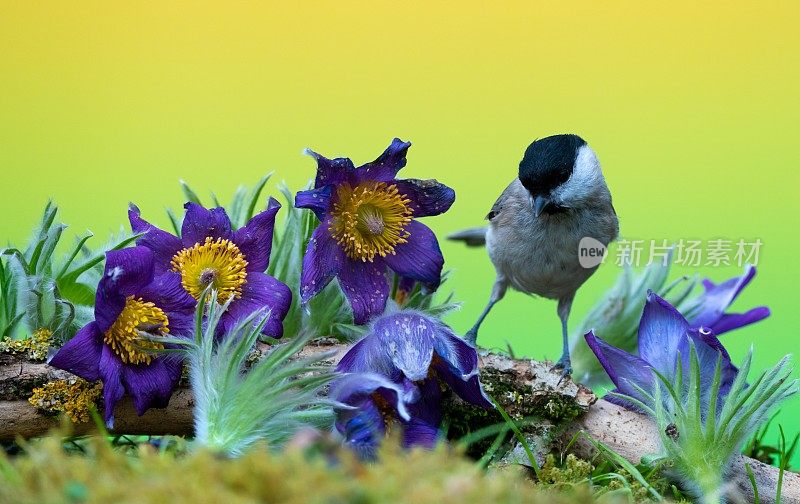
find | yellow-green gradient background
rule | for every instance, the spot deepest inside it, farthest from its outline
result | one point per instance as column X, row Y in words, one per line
column 693, row 109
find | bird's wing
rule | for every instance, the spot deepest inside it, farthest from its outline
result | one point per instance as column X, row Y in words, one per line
column 502, row 200
column 476, row 237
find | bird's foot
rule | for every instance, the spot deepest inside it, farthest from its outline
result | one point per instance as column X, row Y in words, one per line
column 565, row 366
column 471, row 337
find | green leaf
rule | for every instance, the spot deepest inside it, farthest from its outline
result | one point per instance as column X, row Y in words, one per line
column 34, row 247
column 236, row 208
column 520, row 437
column 227, row 419
column 71, row 275
column 189, row 194
column 253, row 199
column 622, row 462
column 752, row 478
column 173, row 219
column 78, row 293
column 40, row 263
column 81, row 242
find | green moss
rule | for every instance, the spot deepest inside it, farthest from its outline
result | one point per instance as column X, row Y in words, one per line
column 535, row 414
column 47, row 474
column 523, row 402
column 574, row 470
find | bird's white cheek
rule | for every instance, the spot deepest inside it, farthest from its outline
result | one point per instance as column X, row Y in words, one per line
column 585, row 178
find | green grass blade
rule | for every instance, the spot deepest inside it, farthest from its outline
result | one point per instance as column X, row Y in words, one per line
column 254, row 196
column 75, row 251
column 752, row 478
column 189, row 194
column 520, row 437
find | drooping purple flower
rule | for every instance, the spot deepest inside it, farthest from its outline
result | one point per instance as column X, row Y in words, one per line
column 210, row 253
column 417, row 354
column 711, row 305
column 367, row 400
column 368, row 224
column 665, row 339
column 133, row 307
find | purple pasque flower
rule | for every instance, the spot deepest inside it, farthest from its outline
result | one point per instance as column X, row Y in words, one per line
column 210, row 253
column 133, row 307
column 416, row 355
column 365, row 404
column 664, row 341
column 711, row 305
column 368, row 225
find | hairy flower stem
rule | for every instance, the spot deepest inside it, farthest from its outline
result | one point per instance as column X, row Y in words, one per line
column 708, row 480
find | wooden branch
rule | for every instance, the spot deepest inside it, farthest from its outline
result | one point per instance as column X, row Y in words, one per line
column 20, row 419
column 524, row 388
column 633, row 436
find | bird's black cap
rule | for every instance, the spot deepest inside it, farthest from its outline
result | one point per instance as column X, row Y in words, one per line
column 548, row 162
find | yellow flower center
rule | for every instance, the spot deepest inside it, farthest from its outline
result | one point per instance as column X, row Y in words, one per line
column 128, row 335
column 217, row 263
column 370, row 219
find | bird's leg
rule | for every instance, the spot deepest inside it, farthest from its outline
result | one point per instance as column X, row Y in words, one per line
column 498, row 291
column 564, row 364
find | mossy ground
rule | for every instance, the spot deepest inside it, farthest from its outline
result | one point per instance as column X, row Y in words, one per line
column 49, row 473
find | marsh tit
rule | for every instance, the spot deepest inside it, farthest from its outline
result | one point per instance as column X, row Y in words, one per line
column 540, row 224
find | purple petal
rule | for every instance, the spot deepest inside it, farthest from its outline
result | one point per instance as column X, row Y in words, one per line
column 426, row 417
column 428, row 197
column 709, row 350
column 181, row 324
column 260, row 292
column 331, row 171
column 321, row 263
column 406, row 284
column 318, row 200
column 164, row 245
column 417, row 432
column 111, row 375
column 81, row 355
column 369, row 355
column 362, row 423
column 621, row 402
column 168, row 294
column 352, row 389
column 365, row 286
column 707, row 358
column 200, row 223
column 622, row 367
column 467, row 387
column 709, row 338
column 717, row 298
column 386, row 166
column 151, row 385
column 458, row 367
column 127, row 271
column 420, row 259
column 363, row 428
column 661, row 330
column 408, row 339
column 731, row 321
column 255, row 238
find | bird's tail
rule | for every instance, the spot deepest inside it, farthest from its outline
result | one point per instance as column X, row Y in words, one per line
column 473, row 237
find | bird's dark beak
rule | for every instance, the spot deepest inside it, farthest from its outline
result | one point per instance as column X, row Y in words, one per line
column 539, row 204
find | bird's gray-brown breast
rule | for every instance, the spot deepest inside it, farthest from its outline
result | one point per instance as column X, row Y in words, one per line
column 539, row 255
